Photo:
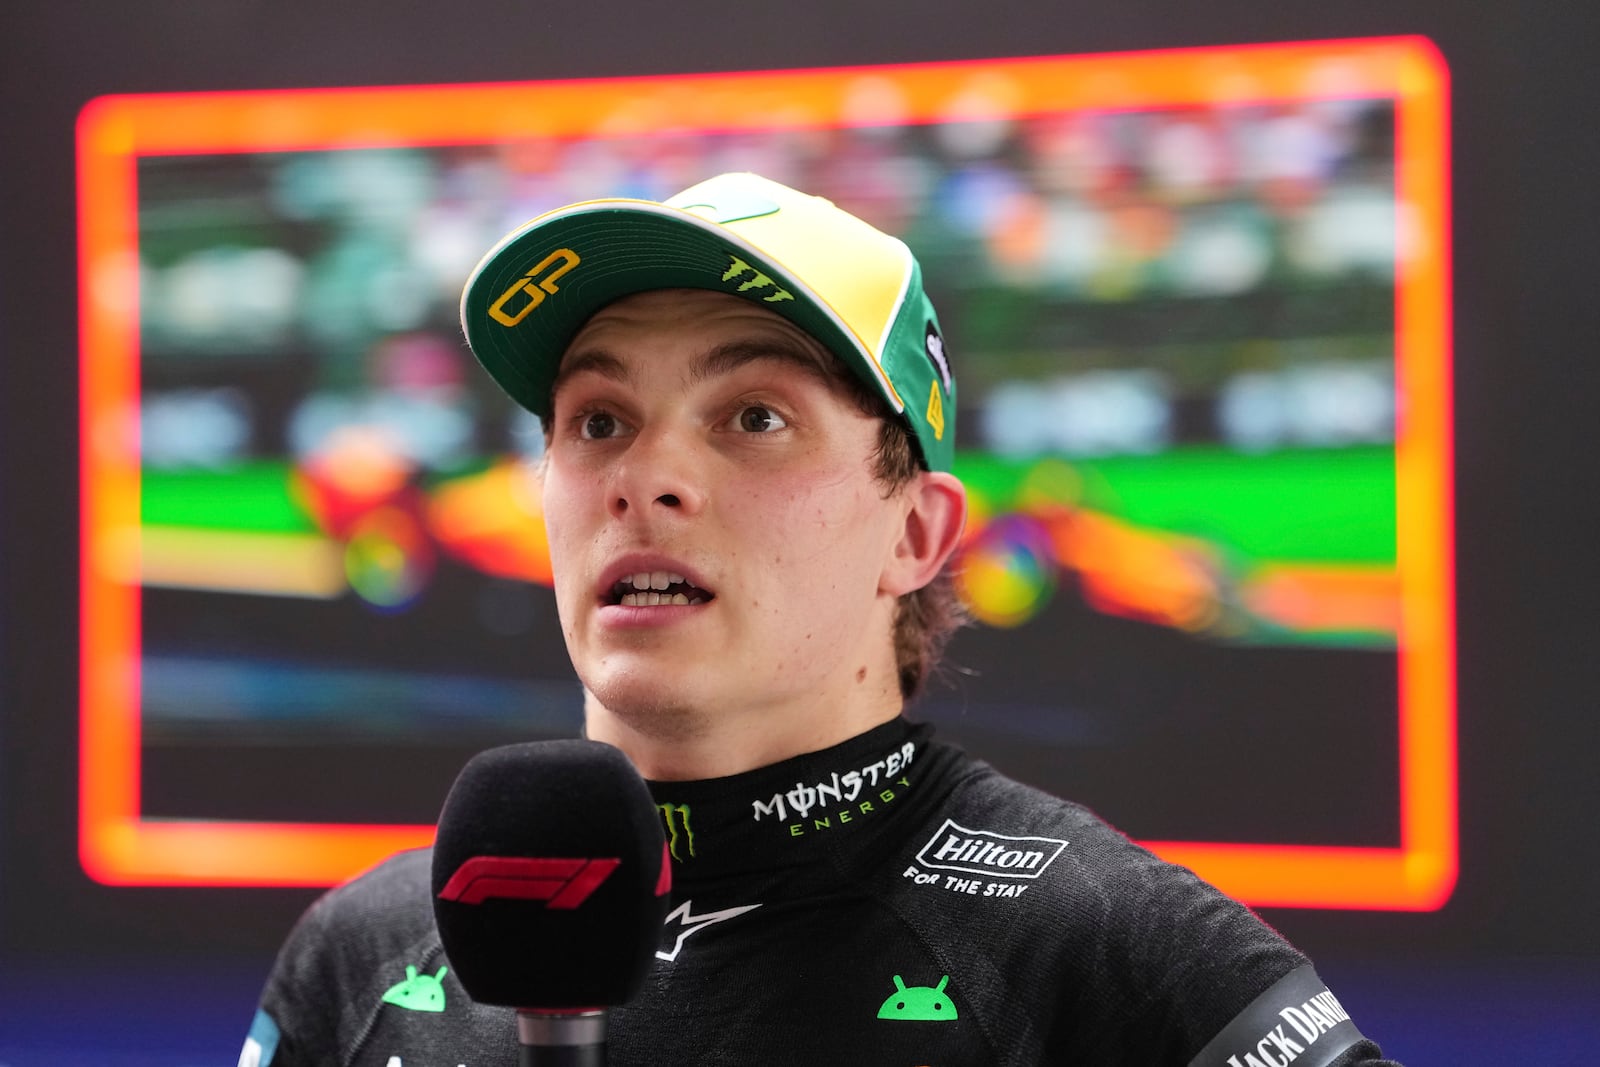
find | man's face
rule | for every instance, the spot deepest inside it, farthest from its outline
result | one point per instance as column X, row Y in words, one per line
column 697, row 444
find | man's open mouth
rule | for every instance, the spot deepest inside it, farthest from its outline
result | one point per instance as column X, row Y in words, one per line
column 649, row 589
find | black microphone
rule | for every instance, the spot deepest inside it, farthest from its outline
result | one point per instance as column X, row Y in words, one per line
column 550, row 881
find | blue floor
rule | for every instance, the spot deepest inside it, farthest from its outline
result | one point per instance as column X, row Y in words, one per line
column 1510, row 1013
column 171, row 1014
column 158, row 1013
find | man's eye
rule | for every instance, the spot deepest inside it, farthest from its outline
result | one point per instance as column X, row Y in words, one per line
column 758, row 419
column 598, row 425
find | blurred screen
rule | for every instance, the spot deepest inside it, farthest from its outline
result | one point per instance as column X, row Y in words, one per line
column 1175, row 326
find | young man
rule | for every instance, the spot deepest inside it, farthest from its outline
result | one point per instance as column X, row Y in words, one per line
column 749, row 504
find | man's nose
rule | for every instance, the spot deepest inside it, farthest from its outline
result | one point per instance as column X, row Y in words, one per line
column 659, row 473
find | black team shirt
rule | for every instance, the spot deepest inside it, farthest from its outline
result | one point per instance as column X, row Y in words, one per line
column 889, row 901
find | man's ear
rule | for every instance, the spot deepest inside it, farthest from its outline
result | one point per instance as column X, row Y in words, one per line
column 935, row 512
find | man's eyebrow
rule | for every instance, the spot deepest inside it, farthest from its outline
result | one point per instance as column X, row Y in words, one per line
column 731, row 355
column 723, row 359
column 593, row 361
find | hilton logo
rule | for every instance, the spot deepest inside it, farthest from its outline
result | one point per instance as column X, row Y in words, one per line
column 956, row 848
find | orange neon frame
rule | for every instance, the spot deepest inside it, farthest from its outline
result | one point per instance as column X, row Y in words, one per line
column 119, row 846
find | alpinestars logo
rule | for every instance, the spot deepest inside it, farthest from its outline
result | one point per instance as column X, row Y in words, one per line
column 687, row 923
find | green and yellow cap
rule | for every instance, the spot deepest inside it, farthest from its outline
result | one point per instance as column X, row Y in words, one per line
column 851, row 286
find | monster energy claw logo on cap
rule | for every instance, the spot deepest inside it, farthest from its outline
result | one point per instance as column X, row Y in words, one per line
column 854, row 288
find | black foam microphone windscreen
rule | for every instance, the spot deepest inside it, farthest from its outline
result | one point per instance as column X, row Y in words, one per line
column 550, row 876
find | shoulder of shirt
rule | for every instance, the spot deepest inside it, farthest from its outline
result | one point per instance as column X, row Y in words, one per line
column 350, row 946
column 1089, row 870
column 1049, row 897
column 980, row 791
column 389, row 904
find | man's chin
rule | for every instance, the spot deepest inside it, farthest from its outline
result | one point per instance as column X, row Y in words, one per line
column 648, row 706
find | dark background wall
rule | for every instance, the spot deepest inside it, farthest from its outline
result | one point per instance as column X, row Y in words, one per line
column 1525, row 160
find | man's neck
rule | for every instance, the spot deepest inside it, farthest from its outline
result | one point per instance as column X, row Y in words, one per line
column 682, row 746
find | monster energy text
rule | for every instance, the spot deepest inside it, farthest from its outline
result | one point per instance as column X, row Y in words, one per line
column 837, row 789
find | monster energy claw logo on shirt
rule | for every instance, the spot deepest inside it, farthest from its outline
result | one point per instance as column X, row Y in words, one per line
column 680, row 831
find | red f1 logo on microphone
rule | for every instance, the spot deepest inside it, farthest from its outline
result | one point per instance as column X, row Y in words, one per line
column 559, row 883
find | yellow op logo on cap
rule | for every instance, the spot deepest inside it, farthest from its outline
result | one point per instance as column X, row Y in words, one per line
column 536, row 291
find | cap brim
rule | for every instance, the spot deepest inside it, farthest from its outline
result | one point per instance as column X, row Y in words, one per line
column 533, row 292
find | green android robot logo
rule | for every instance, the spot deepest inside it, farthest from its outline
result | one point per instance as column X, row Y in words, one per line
column 419, row 992
column 919, row 1003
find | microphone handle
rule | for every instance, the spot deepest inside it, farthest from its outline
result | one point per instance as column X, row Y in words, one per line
column 561, row 1039
column 563, row 1056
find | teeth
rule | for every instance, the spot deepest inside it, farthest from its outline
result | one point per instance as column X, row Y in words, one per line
column 653, row 599
column 652, row 580
column 648, row 589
